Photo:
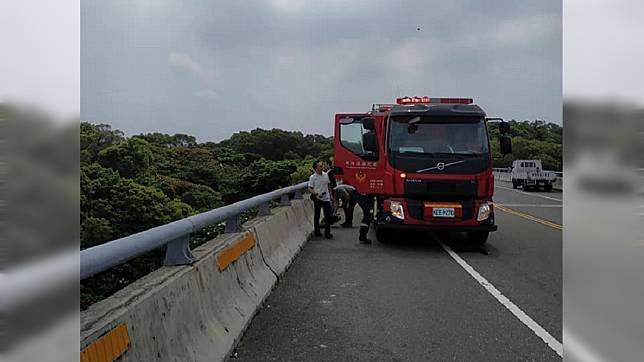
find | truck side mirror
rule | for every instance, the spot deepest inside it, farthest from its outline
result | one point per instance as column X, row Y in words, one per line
column 368, row 123
column 506, row 144
column 369, row 142
column 504, row 127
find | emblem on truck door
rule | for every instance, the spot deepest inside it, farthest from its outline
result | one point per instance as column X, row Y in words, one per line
column 360, row 176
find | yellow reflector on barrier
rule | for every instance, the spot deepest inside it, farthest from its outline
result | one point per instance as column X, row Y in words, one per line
column 233, row 252
column 107, row 348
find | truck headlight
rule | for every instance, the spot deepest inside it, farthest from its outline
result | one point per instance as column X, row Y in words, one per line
column 484, row 212
column 396, row 208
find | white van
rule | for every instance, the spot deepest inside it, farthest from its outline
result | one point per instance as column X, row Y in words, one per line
column 529, row 174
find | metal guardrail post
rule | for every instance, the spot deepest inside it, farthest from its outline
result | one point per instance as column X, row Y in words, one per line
column 233, row 225
column 298, row 195
column 285, row 201
column 264, row 209
column 178, row 252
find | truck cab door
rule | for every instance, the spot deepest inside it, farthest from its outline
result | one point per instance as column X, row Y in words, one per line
column 357, row 149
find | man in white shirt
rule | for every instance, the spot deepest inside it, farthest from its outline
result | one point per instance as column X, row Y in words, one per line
column 319, row 189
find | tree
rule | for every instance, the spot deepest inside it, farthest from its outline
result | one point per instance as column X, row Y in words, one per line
column 199, row 197
column 94, row 138
column 193, row 164
column 530, row 140
column 114, row 207
column 132, row 158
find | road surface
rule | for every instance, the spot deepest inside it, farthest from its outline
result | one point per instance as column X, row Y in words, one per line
column 411, row 300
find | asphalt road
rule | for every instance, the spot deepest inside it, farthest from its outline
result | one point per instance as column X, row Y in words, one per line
column 409, row 300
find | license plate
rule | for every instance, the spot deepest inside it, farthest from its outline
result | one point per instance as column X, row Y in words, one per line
column 443, row 212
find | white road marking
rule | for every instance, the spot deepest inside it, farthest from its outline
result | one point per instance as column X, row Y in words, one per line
column 529, row 193
column 507, row 303
column 529, row 205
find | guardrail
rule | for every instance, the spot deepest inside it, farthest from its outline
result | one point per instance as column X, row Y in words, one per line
column 504, row 174
column 176, row 235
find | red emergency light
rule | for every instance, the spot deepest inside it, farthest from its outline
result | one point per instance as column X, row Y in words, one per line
column 415, row 100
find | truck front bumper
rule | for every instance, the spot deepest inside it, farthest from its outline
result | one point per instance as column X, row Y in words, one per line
column 388, row 221
column 447, row 228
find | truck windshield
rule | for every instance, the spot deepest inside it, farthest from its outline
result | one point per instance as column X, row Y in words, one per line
column 438, row 136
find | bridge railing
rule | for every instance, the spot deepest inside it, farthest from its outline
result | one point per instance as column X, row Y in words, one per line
column 176, row 235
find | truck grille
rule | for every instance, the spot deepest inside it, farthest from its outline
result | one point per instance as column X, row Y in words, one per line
column 441, row 190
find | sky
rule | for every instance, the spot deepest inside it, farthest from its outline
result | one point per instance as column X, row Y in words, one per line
column 40, row 56
column 212, row 68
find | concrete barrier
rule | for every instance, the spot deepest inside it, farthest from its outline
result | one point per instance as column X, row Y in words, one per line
column 278, row 239
column 198, row 312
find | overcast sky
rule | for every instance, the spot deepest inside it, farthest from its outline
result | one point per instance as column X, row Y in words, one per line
column 211, row 68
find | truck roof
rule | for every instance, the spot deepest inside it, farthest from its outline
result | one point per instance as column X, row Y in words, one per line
column 438, row 109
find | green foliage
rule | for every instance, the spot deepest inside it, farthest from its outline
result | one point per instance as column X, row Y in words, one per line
column 193, row 164
column 164, row 140
column 199, row 197
column 303, row 170
column 94, row 138
column 133, row 184
column 276, row 144
column 132, row 158
column 530, row 140
column 95, row 231
column 116, row 206
column 267, row 175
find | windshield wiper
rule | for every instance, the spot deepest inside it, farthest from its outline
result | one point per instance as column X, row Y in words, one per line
column 468, row 154
column 415, row 153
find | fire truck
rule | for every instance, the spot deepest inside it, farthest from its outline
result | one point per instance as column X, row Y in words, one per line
column 427, row 161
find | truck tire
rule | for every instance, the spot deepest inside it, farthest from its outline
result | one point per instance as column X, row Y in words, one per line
column 515, row 184
column 478, row 237
column 548, row 187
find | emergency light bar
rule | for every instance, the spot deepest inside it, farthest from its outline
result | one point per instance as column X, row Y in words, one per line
column 414, row 100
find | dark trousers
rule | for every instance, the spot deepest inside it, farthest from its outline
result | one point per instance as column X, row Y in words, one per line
column 366, row 204
column 328, row 216
column 349, row 204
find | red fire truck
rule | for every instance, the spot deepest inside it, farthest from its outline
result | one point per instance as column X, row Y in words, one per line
column 426, row 160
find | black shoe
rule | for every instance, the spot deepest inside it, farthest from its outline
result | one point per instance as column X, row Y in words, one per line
column 365, row 241
column 346, row 225
column 317, row 233
column 328, row 236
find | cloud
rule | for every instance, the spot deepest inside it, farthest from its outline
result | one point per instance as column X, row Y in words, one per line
column 185, row 62
column 207, row 94
column 297, row 62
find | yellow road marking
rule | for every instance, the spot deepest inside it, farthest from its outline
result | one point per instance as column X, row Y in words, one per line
column 529, row 217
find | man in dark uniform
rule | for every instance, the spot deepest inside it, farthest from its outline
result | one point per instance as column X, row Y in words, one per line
column 350, row 197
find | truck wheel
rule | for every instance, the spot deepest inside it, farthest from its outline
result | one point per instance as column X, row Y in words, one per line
column 515, row 184
column 478, row 237
column 548, row 187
